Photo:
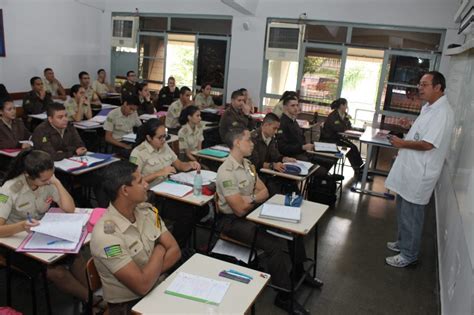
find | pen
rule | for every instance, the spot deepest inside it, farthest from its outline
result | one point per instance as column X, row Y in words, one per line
column 53, row 242
column 28, row 216
column 239, row 273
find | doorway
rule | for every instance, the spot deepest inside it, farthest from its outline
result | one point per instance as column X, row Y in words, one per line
column 180, row 59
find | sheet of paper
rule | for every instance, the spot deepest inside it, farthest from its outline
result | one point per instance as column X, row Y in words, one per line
column 67, row 164
column 227, row 248
column 172, row 189
column 325, row 147
column 41, row 116
column 43, row 241
column 66, row 226
column 221, row 148
column 87, row 159
column 188, row 177
column 210, row 110
column 198, row 288
column 281, row 212
column 147, row 116
column 87, row 123
column 130, row 137
column 106, row 106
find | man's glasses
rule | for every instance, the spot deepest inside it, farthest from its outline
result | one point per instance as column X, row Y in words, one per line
column 423, row 84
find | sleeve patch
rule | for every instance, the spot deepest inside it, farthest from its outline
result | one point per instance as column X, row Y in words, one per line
column 133, row 159
column 337, row 122
column 227, row 184
column 44, row 140
column 3, row 198
column 113, row 251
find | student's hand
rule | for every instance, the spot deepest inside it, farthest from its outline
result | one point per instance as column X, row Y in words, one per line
column 27, row 225
column 405, row 123
column 279, row 167
column 42, row 94
column 54, row 180
column 308, row 147
column 168, row 171
column 396, row 141
column 246, row 109
column 247, row 199
column 126, row 146
column 195, row 165
column 147, row 96
column 81, row 151
column 25, row 145
column 289, row 160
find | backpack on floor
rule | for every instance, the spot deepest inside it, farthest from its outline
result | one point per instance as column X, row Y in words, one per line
column 322, row 190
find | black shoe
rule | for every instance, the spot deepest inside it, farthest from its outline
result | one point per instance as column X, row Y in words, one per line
column 285, row 304
column 312, row 282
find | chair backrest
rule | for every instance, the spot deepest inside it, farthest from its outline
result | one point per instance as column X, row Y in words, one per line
column 93, row 278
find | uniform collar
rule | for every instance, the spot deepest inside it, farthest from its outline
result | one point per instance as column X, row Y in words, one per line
column 235, row 163
column 292, row 119
column 149, row 148
column 9, row 125
column 436, row 104
column 60, row 131
column 119, row 220
column 267, row 140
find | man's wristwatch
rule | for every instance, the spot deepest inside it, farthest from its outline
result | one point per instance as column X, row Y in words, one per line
column 252, row 199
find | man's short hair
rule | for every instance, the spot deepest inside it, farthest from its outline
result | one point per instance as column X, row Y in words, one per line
column 128, row 72
column 116, row 175
column 47, row 69
column 270, row 118
column 33, row 79
column 183, row 90
column 131, row 100
column 82, row 73
column 286, row 100
column 233, row 134
column 100, row 70
column 236, row 94
column 438, row 78
column 53, row 108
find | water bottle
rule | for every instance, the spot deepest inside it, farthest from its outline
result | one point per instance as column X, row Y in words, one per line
column 197, row 185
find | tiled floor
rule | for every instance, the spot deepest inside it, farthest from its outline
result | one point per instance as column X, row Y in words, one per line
column 351, row 254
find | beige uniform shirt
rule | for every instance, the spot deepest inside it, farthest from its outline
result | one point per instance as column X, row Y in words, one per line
column 17, row 199
column 278, row 109
column 234, row 178
column 116, row 242
column 72, row 108
column 100, row 88
column 172, row 115
column 189, row 139
column 52, row 88
column 202, row 101
column 150, row 161
column 119, row 124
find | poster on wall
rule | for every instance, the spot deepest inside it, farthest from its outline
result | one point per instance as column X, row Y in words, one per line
column 2, row 37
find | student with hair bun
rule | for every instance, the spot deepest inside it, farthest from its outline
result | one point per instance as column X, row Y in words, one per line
column 12, row 129
column 191, row 134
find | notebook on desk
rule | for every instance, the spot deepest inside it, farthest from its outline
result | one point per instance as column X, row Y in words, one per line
column 214, row 153
column 280, row 213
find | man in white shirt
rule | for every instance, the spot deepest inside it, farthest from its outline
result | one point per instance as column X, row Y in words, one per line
column 418, row 166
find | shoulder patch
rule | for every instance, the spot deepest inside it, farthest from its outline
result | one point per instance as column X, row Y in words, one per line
column 3, row 198
column 235, row 123
column 113, row 251
column 227, row 183
column 337, row 122
column 109, row 119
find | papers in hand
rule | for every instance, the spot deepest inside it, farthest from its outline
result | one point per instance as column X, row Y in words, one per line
column 280, row 213
column 188, row 178
column 174, row 189
column 325, row 147
column 197, row 288
column 303, row 165
column 63, row 226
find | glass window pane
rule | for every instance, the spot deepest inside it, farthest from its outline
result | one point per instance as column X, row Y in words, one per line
column 153, row 23
column 202, row 26
column 396, row 39
column 211, row 62
column 326, row 33
column 407, row 69
column 151, row 70
column 152, row 46
column 402, row 99
column 322, row 110
column 320, row 76
column 282, row 76
column 269, row 103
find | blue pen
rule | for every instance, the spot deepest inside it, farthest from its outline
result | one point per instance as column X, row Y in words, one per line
column 239, row 273
column 28, row 216
column 53, row 242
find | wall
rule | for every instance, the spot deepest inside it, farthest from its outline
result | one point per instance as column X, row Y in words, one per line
column 63, row 35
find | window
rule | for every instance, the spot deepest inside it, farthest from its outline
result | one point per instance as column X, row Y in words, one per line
column 155, row 23
column 326, row 33
column 201, row 26
column 282, row 76
column 211, row 62
column 152, row 60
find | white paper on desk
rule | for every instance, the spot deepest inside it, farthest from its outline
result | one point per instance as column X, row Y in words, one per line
column 41, row 116
column 303, row 165
column 210, row 110
column 220, row 148
column 188, row 177
column 325, row 147
column 67, row 164
column 87, row 123
column 196, row 287
column 66, row 226
column 130, row 137
column 280, row 212
column 43, row 241
column 230, row 249
column 105, row 106
column 147, row 116
column 86, row 159
column 174, row 189
column 99, row 119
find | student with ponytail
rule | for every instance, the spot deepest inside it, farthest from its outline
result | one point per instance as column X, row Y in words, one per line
column 28, row 190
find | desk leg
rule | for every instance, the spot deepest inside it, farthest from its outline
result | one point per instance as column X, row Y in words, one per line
column 252, row 309
column 9, row 279
column 293, row 271
column 315, row 257
column 46, row 291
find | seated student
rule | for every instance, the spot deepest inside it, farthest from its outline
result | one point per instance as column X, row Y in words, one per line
column 248, row 107
column 78, row 106
column 145, row 106
column 265, row 154
column 338, row 121
column 130, row 244
column 37, row 100
column 191, row 133
column 239, row 191
column 100, row 86
column 278, row 109
column 204, row 98
column 235, row 116
column 168, row 94
column 12, row 129
column 121, row 121
column 174, row 111
column 57, row 136
column 291, row 140
column 29, row 188
column 129, row 87
column 53, row 86
column 84, row 81
column 156, row 161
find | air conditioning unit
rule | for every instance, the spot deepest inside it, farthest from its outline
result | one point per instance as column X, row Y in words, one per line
column 283, row 41
column 124, row 31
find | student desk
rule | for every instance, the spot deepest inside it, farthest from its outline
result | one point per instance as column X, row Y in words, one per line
column 300, row 179
column 237, row 300
column 38, row 261
column 311, row 213
column 372, row 139
column 208, row 157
